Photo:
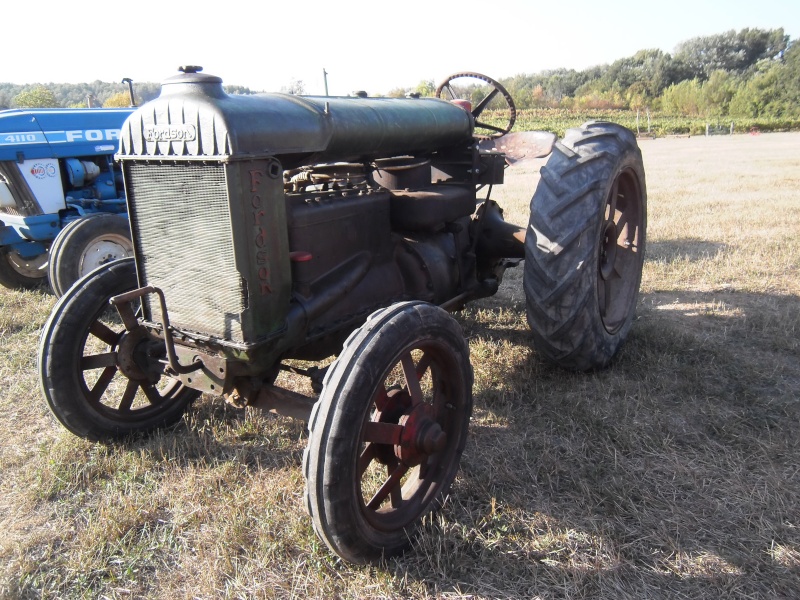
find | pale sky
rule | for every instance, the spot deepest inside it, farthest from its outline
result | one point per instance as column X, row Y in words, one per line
column 373, row 46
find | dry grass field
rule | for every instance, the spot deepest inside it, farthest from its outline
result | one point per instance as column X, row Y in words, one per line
column 675, row 473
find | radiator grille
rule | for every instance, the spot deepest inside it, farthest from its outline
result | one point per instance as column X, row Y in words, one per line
column 181, row 222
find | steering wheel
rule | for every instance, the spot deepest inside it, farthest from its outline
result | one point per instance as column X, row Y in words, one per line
column 507, row 112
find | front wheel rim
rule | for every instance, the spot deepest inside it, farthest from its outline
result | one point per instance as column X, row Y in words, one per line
column 107, row 380
column 103, row 251
column 409, row 438
column 34, row 268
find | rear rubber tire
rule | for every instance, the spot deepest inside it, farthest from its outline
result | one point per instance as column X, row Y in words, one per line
column 370, row 477
column 583, row 267
column 85, row 244
column 17, row 273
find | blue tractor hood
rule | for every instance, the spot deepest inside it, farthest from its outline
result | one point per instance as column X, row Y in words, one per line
column 60, row 132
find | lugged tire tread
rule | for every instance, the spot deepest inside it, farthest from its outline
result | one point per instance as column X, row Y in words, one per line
column 566, row 209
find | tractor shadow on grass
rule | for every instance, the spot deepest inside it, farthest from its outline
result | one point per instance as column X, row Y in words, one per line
column 214, row 433
column 672, row 472
column 686, row 249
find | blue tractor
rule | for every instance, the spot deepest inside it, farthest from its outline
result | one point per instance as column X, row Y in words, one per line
column 62, row 201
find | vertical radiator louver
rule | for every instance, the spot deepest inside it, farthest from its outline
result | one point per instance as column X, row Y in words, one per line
column 181, row 223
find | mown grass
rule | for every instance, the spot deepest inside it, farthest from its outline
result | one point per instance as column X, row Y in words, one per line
column 675, row 473
column 659, row 124
column 558, row 120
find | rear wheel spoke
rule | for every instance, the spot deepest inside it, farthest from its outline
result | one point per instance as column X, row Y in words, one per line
column 381, row 398
column 364, row 460
column 423, row 365
column 396, row 496
column 383, row 433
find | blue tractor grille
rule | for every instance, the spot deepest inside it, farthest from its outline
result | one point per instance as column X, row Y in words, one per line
column 183, row 236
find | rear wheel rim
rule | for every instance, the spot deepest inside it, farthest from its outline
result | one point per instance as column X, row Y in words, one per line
column 32, row 268
column 620, row 256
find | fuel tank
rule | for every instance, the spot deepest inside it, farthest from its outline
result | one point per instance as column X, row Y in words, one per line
column 194, row 118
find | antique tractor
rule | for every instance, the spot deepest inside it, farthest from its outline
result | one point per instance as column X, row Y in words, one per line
column 272, row 231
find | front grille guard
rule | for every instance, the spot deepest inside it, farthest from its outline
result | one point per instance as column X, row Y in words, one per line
column 122, row 303
column 293, row 332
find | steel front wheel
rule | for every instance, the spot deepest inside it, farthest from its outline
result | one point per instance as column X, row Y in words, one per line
column 86, row 244
column 584, row 249
column 387, row 434
column 100, row 380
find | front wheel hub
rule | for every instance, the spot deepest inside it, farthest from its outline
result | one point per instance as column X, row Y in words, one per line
column 421, row 437
column 135, row 356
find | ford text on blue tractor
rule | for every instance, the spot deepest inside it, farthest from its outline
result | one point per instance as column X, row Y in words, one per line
column 58, row 180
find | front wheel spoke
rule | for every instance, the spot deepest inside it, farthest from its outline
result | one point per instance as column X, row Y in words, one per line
column 98, row 361
column 103, row 332
column 152, row 393
column 608, row 293
column 386, row 489
column 612, row 201
column 622, row 227
column 364, row 460
column 424, row 468
column 383, row 433
column 101, row 384
column 127, row 398
column 396, row 496
column 412, row 382
column 629, row 230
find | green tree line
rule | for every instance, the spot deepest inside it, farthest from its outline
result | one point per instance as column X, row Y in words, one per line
column 752, row 73
column 82, row 95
